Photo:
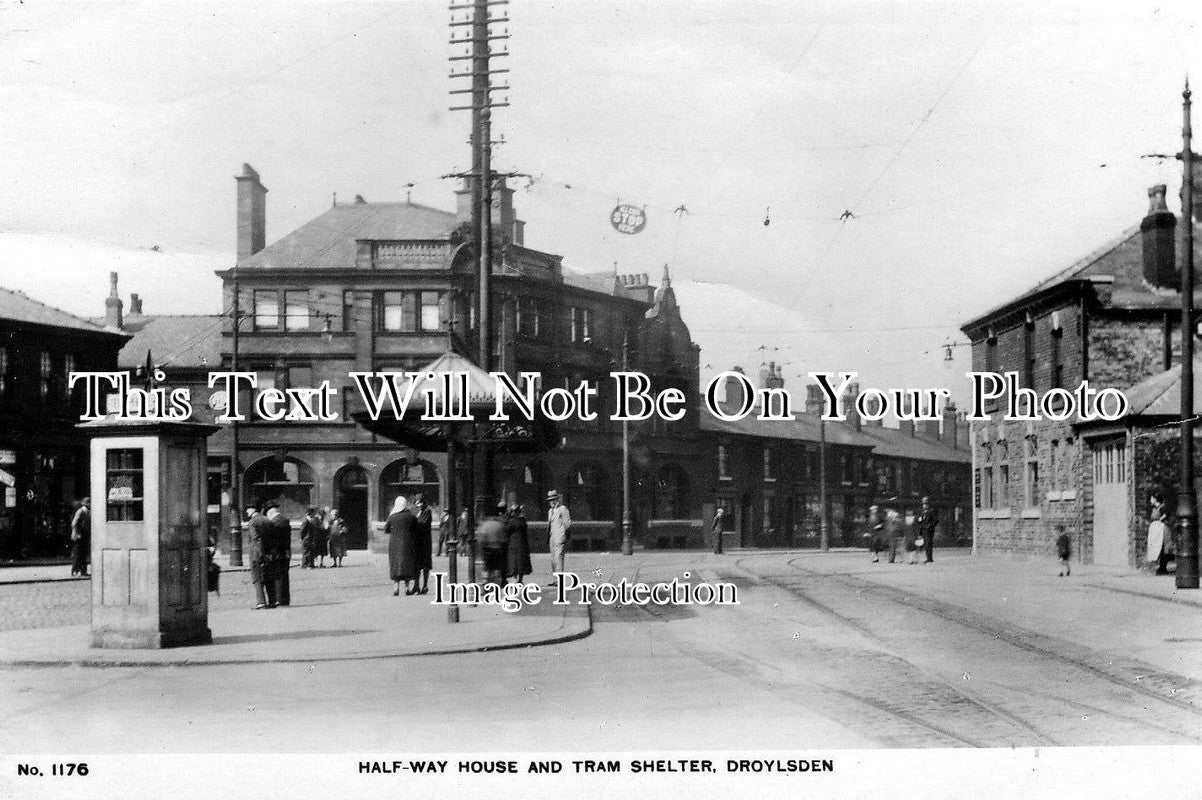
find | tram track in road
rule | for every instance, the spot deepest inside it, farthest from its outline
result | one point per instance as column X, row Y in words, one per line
column 973, row 698
column 1029, row 641
column 789, row 676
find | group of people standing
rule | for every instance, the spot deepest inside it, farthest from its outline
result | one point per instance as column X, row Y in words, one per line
column 894, row 533
column 270, row 545
column 503, row 537
column 409, row 547
column 322, row 533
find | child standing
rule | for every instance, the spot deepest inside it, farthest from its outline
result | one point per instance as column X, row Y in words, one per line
column 1064, row 548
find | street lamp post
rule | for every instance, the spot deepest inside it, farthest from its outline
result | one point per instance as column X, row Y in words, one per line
column 627, row 525
column 1187, row 504
column 235, row 478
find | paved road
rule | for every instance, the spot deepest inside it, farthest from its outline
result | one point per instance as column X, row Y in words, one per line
column 818, row 654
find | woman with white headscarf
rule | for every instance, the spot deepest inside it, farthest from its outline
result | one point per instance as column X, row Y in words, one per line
column 402, row 546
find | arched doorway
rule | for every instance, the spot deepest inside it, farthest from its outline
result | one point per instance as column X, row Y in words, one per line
column 350, row 498
column 408, row 478
column 287, row 481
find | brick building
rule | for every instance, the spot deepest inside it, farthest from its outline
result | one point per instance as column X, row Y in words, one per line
column 768, row 475
column 387, row 286
column 1112, row 318
column 43, row 458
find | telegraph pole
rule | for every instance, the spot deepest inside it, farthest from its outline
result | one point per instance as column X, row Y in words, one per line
column 824, row 531
column 627, row 525
column 235, row 478
column 1187, row 504
column 479, row 54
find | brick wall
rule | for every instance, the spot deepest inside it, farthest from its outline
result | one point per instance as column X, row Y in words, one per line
column 1123, row 352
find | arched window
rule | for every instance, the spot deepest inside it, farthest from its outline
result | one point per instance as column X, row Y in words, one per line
column 672, row 500
column 408, row 478
column 588, row 493
column 287, row 481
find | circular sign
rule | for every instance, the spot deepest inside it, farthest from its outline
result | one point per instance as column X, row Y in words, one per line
column 627, row 218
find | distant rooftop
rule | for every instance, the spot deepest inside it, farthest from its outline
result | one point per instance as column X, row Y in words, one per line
column 19, row 307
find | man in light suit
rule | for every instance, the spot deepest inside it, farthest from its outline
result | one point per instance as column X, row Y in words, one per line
column 559, row 522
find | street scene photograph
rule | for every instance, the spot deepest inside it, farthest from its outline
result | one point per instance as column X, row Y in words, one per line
column 573, row 399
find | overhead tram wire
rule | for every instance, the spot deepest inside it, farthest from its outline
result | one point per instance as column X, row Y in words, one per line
column 901, row 148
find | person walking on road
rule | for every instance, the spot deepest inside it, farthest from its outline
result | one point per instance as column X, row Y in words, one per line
column 1064, row 548
column 81, row 537
column 928, row 521
column 402, row 546
column 911, row 538
column 559, row 523
column 719, row 525
column 876, row 533
column 517, row 545
column 336, row 541
column 895, row 530
column 425, row 560
column 491, row 535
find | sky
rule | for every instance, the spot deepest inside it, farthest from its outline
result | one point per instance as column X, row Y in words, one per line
column 976, row 148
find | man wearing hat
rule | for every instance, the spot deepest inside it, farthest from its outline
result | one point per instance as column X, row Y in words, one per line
column 258, row 531
column 559, row 522
column 277, row 552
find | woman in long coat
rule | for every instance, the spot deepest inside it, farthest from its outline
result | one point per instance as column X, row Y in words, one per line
column 402, row 546
column 337, row 537
column 518, row 541
column 425, row 557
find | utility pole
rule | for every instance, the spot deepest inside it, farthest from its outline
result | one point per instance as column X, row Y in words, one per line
column 824, row 531
column 235, row 478
column 479, row 55
column 627, row 525
column 1187, row 503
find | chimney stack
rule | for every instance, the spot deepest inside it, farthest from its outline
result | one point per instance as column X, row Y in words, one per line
column 948, row 437
column 849, row 406
column 1158, row 231
column 962, row 431
column 734, row 391
column 929, row 429
column 906, row 426
column 135, row 305
column 113, row 305
column 252, row 213
column 814, row 401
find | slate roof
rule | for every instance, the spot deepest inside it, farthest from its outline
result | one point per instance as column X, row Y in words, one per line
column 1120, row 259
column 174, row 340
column 804, row 428
column 1160, row 395
column 893, row 442
column 884, row 441
column 328, row 241
column 20, row 307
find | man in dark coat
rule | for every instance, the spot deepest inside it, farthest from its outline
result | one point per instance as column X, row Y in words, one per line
column 928, row 521
column 311, row 535
column 276, row 557
column 402, row 546
column 424, row 546
column 517, row 545
column 719, row 527
column 258, row 533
